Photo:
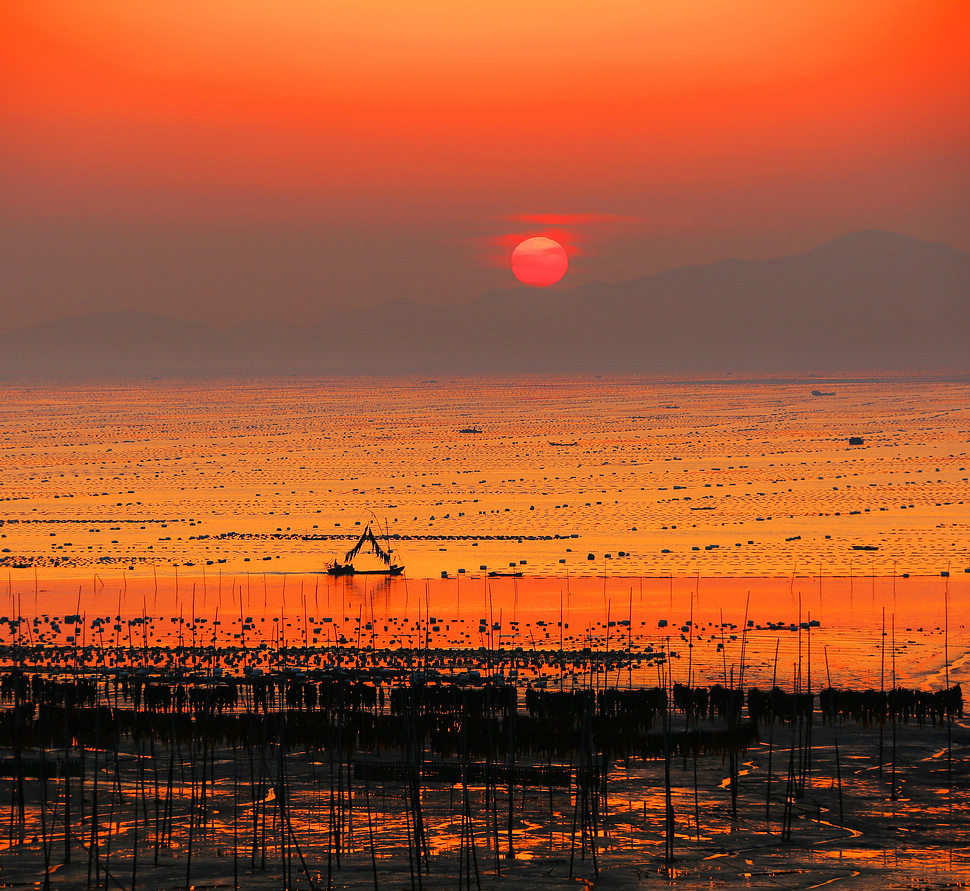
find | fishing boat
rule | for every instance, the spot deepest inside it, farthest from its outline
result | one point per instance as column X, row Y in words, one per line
column 335, row 567
column 472, row 429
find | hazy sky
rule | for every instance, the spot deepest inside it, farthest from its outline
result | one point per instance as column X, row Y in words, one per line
column 221, row 159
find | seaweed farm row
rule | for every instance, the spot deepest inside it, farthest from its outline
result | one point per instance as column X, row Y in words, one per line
column 519, row 630
column 723, row 478
column 312, row 781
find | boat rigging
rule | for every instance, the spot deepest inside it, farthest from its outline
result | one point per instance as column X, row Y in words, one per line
column 335, row 567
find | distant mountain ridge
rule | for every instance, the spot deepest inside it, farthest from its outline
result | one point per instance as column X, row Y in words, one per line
column 866, row 300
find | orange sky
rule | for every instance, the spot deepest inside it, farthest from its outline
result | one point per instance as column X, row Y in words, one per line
column 414, row 131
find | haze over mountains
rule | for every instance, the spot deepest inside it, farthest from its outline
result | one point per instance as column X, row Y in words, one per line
column 865, row 301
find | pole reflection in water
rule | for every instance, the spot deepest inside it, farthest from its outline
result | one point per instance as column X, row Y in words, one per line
column 370, row 735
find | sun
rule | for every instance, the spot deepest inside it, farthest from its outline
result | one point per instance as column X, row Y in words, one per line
column 539, row 261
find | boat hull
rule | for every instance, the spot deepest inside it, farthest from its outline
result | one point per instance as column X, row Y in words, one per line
column 348, row 569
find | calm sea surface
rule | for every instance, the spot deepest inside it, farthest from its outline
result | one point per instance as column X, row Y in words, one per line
column 623, row 503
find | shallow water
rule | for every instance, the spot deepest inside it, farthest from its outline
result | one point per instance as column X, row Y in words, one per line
column 615, row 627
column 724, row 478
column 677, row 502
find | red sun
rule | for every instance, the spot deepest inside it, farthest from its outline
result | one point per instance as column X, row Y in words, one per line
column 539, row 261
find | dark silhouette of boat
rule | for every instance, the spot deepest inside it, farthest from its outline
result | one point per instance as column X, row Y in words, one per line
column 822, row 393
column 470, row 430
column 335, row 567
column 497, row 574
column 574, row 442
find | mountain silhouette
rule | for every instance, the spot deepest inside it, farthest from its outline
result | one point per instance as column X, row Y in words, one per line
column 865, row 301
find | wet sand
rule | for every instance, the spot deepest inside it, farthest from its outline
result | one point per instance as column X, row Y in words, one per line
column 917, row 838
